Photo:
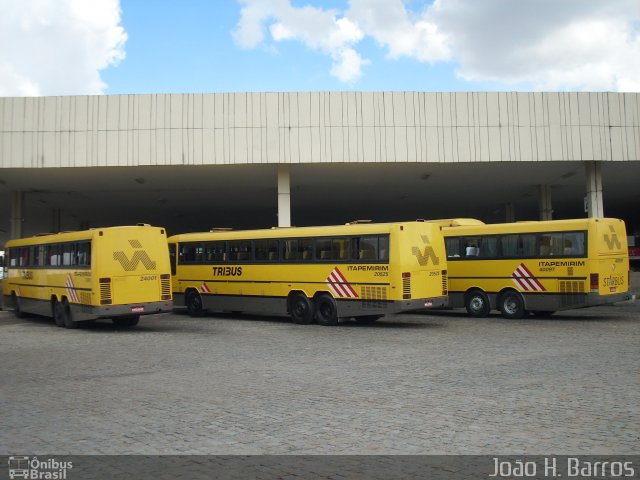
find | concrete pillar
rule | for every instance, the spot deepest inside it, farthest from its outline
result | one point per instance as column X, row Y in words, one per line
column 17, row 201
column 593, row 201
column 544, row 202
column 509, row 213
column 284, row 196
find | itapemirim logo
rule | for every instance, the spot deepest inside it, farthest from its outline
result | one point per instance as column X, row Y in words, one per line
column 36, row 469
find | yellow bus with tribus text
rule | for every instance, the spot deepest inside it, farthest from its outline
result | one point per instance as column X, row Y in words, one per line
column 116, row 272
column 322, row 274
column 537, row 266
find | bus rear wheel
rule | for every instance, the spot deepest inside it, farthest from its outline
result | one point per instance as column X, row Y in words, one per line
column 327, row 310
column 477, row 304
column 58, row 314
column 511, row 305
column 67, row 318
column 194, row 303
column 301, row 308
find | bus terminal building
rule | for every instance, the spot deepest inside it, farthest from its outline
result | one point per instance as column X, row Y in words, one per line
column 191, row 162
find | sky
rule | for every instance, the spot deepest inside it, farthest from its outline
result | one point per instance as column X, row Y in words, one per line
column 78, row 47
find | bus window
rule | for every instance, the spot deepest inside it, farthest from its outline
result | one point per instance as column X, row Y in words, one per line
column 471, row 247
column 266, row 250
column 83, row 253
column 453, row 246
column 373, row 247
column 573, row 244
column 240, row 251
column 188, row 252
column 290, row 249
column 54, row 255
column 488, row 247
column 68, row 254
column 215, row 252
column 562, row 244
column 519, row 245
column 305, row 249
column 333, row 248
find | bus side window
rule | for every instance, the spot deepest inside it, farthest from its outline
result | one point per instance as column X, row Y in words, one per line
column 573, row 243
column 188, row 252
column 54, row 255
column 452, row 246
column 84, row 254
column 366, row 248
column 290, row 249
column 489, row 246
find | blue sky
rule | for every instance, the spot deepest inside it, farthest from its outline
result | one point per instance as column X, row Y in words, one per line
column 67, row 47
column 191, row 49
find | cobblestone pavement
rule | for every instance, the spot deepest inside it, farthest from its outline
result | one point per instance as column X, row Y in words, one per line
column 413, row 384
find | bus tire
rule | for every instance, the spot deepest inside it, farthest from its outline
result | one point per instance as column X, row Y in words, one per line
column 477, row 303
column 511, row 304
column 15, row 303
column 301, row 308
column 66, row 315
column 58, row 313
column 326, row 310
column 193, row 301
column 130, row 321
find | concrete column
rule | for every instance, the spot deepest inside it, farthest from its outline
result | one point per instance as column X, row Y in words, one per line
column 509, row 213
column 593, row 202
column 17, row 202
column 284, row 196
column 544, row 202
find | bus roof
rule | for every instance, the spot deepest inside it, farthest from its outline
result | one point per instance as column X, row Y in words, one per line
column 355, row 228
column 457, row 222
column 528, row 226
column 43, row 238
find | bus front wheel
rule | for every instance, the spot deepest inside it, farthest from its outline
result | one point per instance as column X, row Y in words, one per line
column 301, row 308
column 477, row 304
column 511, row 304
column 194, row 304
column 327, row 311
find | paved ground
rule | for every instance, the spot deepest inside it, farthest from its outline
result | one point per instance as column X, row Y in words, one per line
column 412, row 384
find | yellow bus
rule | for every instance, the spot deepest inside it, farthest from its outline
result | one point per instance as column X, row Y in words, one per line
column 538, row 266
column 322, row 274
column 116, row 272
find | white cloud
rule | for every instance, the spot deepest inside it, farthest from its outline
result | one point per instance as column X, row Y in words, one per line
column 573, row 44
column 323, row 30
column 58, row 47
column 403, row 34
column 546, row 44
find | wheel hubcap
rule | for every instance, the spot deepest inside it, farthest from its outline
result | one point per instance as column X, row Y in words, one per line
column 476, row 303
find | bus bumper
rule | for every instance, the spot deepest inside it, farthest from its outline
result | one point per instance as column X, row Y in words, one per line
column 149, row 308
column 351, row 308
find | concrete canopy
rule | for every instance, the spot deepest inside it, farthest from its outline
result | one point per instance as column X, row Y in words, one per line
column 193, row 198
